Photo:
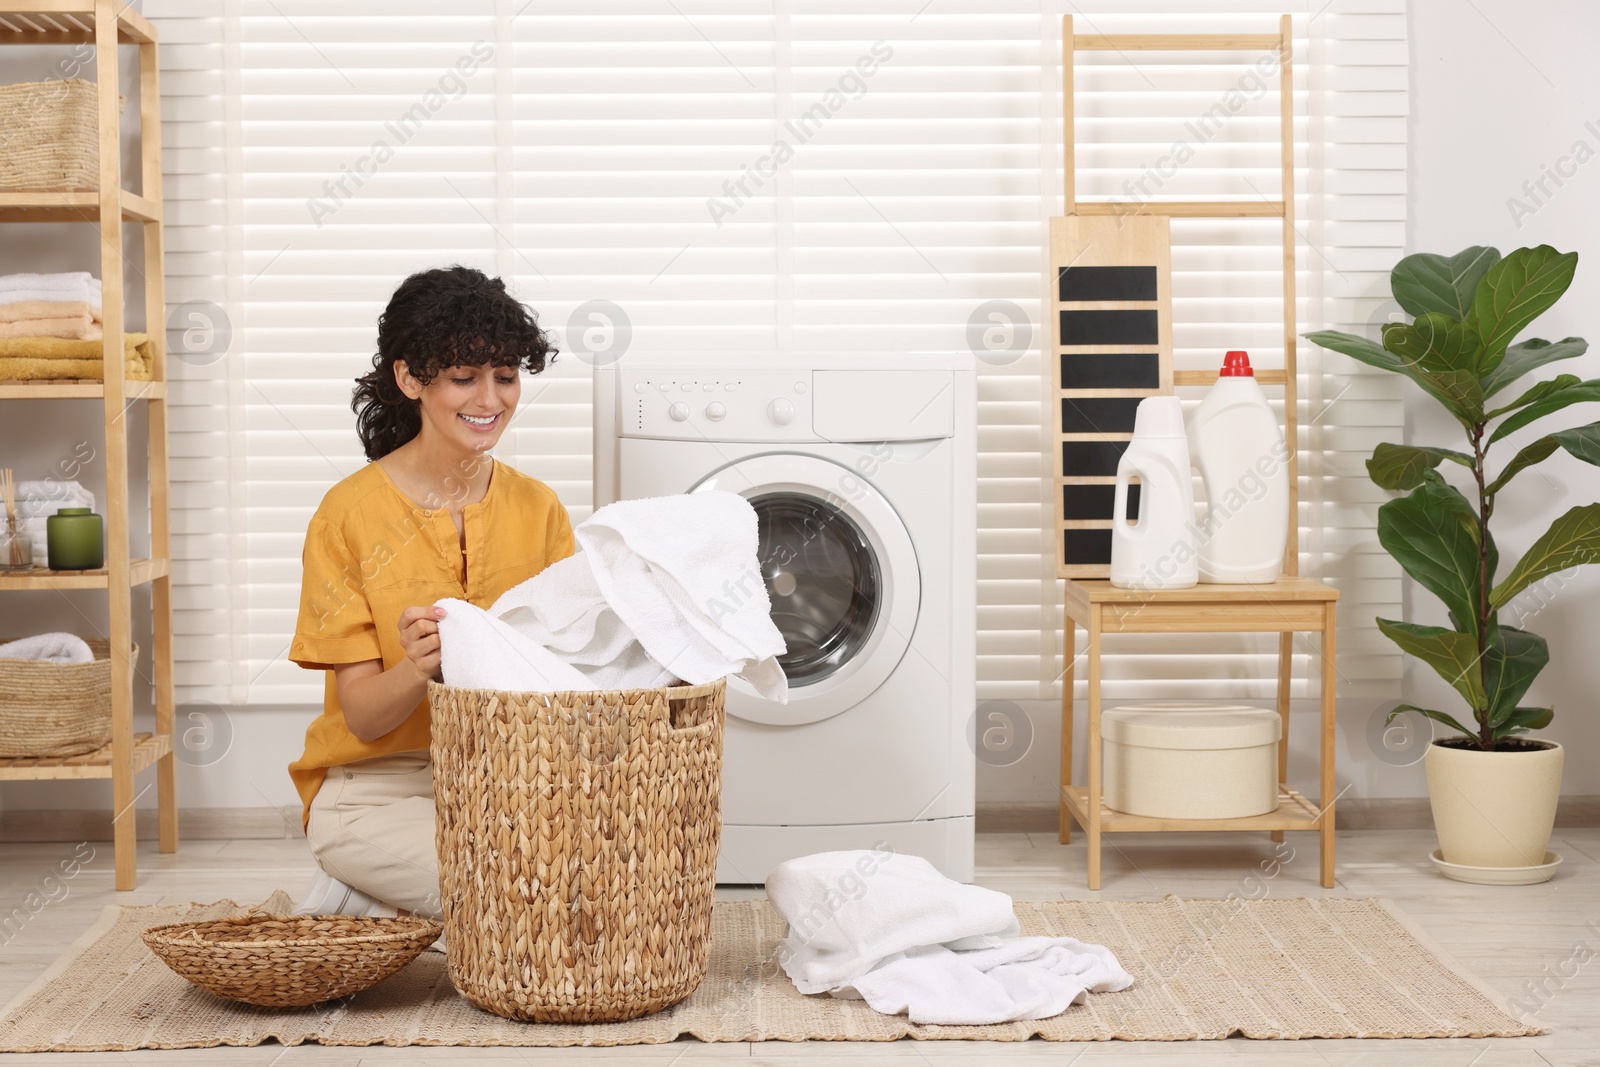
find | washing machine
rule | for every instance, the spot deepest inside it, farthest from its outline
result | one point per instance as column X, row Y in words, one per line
column 863, row 474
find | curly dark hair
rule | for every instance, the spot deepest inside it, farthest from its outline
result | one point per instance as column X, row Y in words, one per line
column 446, row 317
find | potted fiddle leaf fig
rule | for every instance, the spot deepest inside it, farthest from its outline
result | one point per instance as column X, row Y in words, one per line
column 1492, row 788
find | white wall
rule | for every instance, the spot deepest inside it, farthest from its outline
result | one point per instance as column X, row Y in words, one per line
column 1501, row 89
column 1494, row 95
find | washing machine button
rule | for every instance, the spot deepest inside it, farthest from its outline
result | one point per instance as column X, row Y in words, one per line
column 716, row 412
column 781, row 411
column 639, row 387
column 799, row 387
column 679, row 411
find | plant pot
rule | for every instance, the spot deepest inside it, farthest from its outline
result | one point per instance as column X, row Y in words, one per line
column 1494, row 809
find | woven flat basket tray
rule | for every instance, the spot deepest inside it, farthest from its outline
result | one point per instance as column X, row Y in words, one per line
column 56, row 709
column 577, row 837
column 50, row 135
column 290, row 961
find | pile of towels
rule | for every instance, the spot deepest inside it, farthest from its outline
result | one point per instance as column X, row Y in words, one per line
column 50, row 305
column 661, row 591
column 58, row 648
column 51, row 328
column 37, row 501
column 893, row 931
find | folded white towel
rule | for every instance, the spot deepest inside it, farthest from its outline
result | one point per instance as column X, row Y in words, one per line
column 64, row 282
column 53, row 648
column 893, row 931
column 682, row 574
column 637, row 608
column 38, row 500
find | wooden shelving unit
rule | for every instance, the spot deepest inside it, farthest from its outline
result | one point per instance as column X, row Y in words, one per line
column 1288, row 606
column 106, row 24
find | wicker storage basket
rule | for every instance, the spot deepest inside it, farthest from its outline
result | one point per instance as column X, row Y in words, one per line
column 50, row 135
column 290, row 961
column 577, row 838
column 52, row 709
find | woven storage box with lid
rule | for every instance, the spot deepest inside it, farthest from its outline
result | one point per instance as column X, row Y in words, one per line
column 55, row 709
column 577, row 837
column 51, row 134
column 1191, row 761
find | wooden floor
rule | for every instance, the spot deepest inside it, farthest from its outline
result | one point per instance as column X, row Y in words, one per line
column 1509, row 936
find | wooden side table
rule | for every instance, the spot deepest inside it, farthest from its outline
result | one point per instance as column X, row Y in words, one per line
column 1286, row 607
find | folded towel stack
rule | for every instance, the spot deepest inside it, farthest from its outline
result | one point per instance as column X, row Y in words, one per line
column 58, row 648
column 662, row 590
column 37, row 501
column 893, row 931
column 51, row 305
column 43, row 358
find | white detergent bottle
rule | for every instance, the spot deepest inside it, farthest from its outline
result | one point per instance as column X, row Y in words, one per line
column 1236, row 443
column 1158, row 552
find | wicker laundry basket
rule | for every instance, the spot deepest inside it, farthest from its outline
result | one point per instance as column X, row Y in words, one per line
column 50, row 135
column 577, row 838
column 55, row 709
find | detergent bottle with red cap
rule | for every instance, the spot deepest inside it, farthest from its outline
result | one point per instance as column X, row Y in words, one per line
column 1237, row 445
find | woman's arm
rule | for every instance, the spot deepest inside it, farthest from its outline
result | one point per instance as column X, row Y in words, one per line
column 374, row 700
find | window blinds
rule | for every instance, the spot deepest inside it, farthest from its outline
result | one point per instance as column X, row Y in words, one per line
column 687, row 176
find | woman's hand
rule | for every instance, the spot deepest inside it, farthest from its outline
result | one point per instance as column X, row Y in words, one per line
column 419, row 636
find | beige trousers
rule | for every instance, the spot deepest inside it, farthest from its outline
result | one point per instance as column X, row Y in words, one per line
column 372, row 827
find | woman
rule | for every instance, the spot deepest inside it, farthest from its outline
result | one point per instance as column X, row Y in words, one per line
column 431, row 516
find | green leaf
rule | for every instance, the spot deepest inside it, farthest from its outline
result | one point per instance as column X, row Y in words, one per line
column 1525, row 719
column 1436, row 343
column 1538, row 392
column 1528, row 355
column 1537, row 452
column 1514, row 292
column 1426, row 282
column 1432, row 534
column 1402, row 466
column 1573, row 539
column 1436, row 716
column 1511, row 661
column 1459, row 391
column 1583, row 442
column 1581, row 393
column 1453, row 655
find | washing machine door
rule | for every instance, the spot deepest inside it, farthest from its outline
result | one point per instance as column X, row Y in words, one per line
column 841, row 571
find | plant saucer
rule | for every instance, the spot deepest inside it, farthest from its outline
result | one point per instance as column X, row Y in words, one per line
column 1497, row 875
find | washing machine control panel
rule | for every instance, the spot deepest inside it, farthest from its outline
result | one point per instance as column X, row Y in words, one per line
column 689, row 403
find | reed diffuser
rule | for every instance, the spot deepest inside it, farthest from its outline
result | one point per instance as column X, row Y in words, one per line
column 16, row 550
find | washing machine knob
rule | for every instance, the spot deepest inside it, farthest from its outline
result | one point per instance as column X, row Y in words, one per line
column 679, row 411
column 716, row 412
column 781, row 411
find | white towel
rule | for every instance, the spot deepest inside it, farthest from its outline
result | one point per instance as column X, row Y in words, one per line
column 617, row 616
column 64, row 282
column 893, row 931
column 53, row 648
column 38, row 500
column 682, row 574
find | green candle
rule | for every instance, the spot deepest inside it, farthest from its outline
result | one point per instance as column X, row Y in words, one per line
column 75, row 538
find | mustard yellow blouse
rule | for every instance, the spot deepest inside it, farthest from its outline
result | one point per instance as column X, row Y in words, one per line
column 371, row 552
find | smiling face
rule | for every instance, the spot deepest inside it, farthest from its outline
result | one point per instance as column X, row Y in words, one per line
column 464, row 408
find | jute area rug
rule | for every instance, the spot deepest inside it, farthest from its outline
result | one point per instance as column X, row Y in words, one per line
column 1204, row 970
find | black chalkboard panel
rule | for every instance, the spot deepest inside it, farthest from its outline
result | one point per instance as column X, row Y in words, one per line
column 1098, row 414
column 1096, row 501
column 1108, row 283
column 1136, row 327
column 1099, row 370
column 1087, row 546
column 1092, row 459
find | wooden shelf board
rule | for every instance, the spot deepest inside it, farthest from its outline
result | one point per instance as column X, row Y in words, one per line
column 1176, row 42
column 80, row 389
column 74, row 205
column 140, row 571
column 147, row 748
column 1288, row 587
column 65, row 22
column 1294, row 812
